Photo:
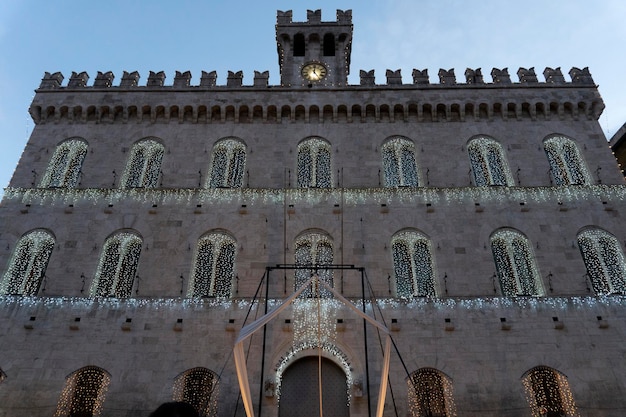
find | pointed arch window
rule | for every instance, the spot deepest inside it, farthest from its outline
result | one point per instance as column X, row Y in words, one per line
column 314, row 249
column 116, row 271
column 84, row 393
column 399, row 164
column 199, row 388
column 488, row 163
column 28, row 264
column 548, row 393
column 214, row 266
column 604, row 260
column 228, row 164
column 566, row 163
column 65, row 166
column 314, row 163
column 430, row 394
column 413, row 265
column 144, row 165
column 515, row 264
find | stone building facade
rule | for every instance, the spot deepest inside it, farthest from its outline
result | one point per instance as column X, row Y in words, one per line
column 480, row 222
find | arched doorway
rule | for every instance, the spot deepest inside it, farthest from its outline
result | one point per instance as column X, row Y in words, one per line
column 299, row 392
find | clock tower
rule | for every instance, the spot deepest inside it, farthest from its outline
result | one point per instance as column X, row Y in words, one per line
column 314, row 53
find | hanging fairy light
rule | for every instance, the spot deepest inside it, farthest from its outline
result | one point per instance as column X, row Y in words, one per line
column 228, row 164
column 430, row 394
column 65, row 165
column 314, row 163
column 118, row 263
column 515, row 264
column 214, row 266
column 413, row 265
column 144, row 165
column 84, row 392
column 548, row 393
column 604, row 260
column 566, row 163
column 488, row 163
column 399, row 163
column 199, row 388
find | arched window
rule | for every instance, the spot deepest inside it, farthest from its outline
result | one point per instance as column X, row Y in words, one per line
column 399, row 163
column 198, row 387
column 548, row 393
column 604, row 259
column 298, row 45
column 27, row 266
column 115, row 275
column 144, row 165
column 329, row 44
column 64, row 167
column 488, row 163
column 84, row 393
column 314, row 168
column 413, row 265
column 213, row 266
column 515, row 263
column 314, row 249
column 228, row 164
column 566, row 163
column 430, row 394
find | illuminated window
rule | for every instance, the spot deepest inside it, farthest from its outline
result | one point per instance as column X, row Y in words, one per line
column 84, row 393
column 228, row 164
column 548, row 393
column 198, row 387
column 144, row 165
column 604, row 259
column 118, row 264
column 314, row 249
column 214, row 266
column 488, row 163
column 515, row 264
column 314, row 168
column 566, row 163
column 64, row 167
column 413, row 265
column 430, row 394
column 399, row 164
column 27, row 266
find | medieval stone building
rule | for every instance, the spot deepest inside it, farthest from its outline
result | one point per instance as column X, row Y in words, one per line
column 477, row 222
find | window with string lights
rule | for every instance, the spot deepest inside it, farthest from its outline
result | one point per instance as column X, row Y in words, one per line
column 314, row 249
column 430, row 394
column 198, row 387
column 27, row 267
column 399, row 166
column 228, row 164
column 84, row 393
column 116, row 271
column 413, row 264
column 566, row 163
column 488, row 162
column 604, row 260
column 64, row 169
column 548, row 393
column 515, row 264
column 213, row 266
column 144, row 165
column 314, row 163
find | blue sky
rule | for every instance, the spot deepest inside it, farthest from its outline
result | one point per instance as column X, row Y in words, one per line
column 38, row 36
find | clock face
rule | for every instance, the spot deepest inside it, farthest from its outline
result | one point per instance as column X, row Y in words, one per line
column 314, row 72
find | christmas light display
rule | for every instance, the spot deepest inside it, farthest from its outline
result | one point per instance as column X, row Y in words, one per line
column 566, row 163
column 515, row 263
column 228, row 164
column 413, row 265
column 84, row 393
column 198, row 387
column 399, row 163
column 548, row 393
column 144, row 165
column 65, row 165
column 118, row 263
column 430, row 394
column 604, row 259
column 28, row 263
column 315, row 249
column 488, row 163
column 314, row 168
column 213, row 266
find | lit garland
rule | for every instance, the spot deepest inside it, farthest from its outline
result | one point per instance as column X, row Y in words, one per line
column 198, row 387
column 313, row 249
column 515, row 263
column 314, row 168
column 64, row 167
column 399, row 163
column 488, row 163
column 28, row 264
column 84, row 392
column 118, row 263
column 566, row 163
column 413, row 265
column 430, row 394
column 548, row 393
column 144, row 165
column 214, row 266
column 228, row 164
column 604, row 260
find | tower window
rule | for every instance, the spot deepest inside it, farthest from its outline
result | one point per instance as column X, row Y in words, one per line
column 214, row 266
column 604, row 260
column 118, row 264
column 515, row 264
column 566, row 163
column 144, row 165
column 84, row 393
column 329, row 44
column 488, row 163
column 64, row 167
column 298, row 45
